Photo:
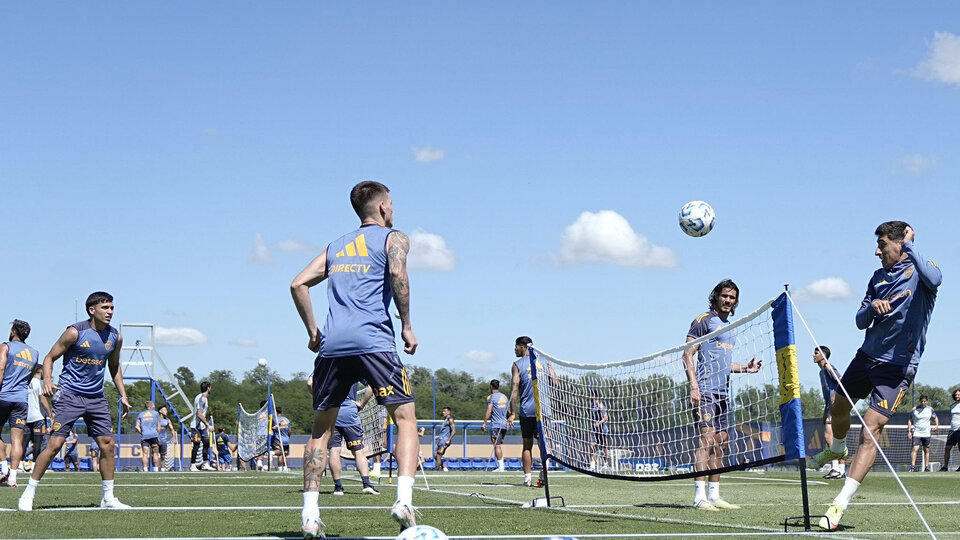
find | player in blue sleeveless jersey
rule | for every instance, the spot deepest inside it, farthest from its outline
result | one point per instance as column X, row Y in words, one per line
column 148, row 426
column 442, row 440
column 895, row 312
column 165, row 436
column 709, row 378
column 600, row 432
column 281, row 440
column 225, row 450
column 521, row 392
column 364, row 270
column 18, row 363
column 88, row 348
column 349, row 430
column 497, row 407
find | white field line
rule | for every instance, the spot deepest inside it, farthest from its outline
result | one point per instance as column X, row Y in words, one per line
column 542, row 536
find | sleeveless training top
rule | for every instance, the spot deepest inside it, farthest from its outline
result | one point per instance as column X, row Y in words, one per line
column 359, row 295
column 21, row 361
column 85, row 361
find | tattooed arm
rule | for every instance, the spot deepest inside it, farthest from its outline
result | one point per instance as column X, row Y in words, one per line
column 398, row 245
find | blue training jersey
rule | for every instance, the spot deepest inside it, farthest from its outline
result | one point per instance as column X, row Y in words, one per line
column 349, row 414
column 828, row 385
column 222, row 441
column 85, row 360
column 21, row 361
column 283, row 428
column 911, row 288
column 528, row 406
column 715, row 356
column 446, row 430
column 597, row 411
column 498, row 414
column 359, row 294
column 165, row 430
column 148, row 421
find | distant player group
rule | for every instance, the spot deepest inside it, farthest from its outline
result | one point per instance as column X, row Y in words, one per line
column 366, row 269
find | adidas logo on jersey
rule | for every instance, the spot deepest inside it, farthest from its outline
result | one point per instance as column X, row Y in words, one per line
column 85, row 344
column 357, row 247
column 25, row 355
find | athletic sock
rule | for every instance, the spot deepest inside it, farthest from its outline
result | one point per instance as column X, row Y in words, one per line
column 365, row 480
column 842, row 468
column 713, row 491
column 405, row 490
column 526, row 477
column 107, row 489
column 849, row 489
column 500, row 463
column 376, row 468
column 13, row 477
column 699, row 491
column 838, row 445
column 311, row 500
column 338, row 484
column 31, row 488
column 834, row 465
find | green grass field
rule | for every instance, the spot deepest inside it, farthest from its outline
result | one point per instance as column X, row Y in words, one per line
column 471, row 504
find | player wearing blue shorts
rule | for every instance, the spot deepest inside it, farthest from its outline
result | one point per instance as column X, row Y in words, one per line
column 70, row 454
column 709, row 378
column 895, row 312
column 829, row 379
column 442, row 440
column 921, row 424
column 148, row 426
column 18, row 363
column 497, row 407
column 225, row 450
column 166, row 436
column 521, row 392
column 281, row 440
column 349, row 430
column 600, row 432
column 88, row 348
column 364, row 270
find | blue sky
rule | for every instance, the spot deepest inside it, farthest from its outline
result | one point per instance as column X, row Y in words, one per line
column 192, row 158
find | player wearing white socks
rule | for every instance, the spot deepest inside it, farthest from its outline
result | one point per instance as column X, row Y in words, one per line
column 895, row 313
column 364, row 270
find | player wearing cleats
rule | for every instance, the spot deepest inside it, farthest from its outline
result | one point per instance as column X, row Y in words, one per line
column 311, row 526
column 404, row 514
column 722, row 504
column 369, row 489
column 831, row 520
column 704, row 504
column 113, row 504
column 826, row 456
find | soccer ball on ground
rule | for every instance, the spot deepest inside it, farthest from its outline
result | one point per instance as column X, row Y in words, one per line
column 27, row 465
column 696, row 218
column 422, row 532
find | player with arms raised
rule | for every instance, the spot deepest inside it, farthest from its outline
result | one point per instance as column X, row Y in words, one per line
column 88, row 348
column 895, row 313
column 709, row 380
column 364, row 269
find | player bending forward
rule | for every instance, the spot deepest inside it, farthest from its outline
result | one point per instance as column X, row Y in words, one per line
column 895, row 313
column 364, row 269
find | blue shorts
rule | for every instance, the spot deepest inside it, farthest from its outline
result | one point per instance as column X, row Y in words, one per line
column 15, row 412
column 885, row 383
column 223, row 455
column 600, row 437
column 69, row 407
column 497, row 434
column 714, row 412
column 352, row 434
column 38, row 428
column 198, row 436
column 442, row 447
column 152, row 442
column 333, row 378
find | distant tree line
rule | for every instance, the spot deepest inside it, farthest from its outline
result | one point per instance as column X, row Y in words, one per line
column 464, row 393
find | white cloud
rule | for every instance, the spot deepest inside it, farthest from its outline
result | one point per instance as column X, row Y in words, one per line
column 261, row 253
column 244, row 342
column 826, row 289
column 942, row 63
column 606, row 236
column 430, row 252
column 294, row 245
column 428, row 154
column 479, row 357
column 179, row 336
column 917, row 163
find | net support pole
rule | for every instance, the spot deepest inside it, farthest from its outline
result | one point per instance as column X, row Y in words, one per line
column 541, row 441
column 791, row 413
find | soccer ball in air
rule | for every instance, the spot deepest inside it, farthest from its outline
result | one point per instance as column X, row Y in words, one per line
column 422, row 532
column 696, row 218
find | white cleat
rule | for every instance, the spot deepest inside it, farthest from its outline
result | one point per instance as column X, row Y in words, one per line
column 404, row 515
column 370, row 490
column 310, row 526
column 194, row 468
column 114, row 504
column 25, row 504
column 207, row 467
column 704, row 504
column 723, row 505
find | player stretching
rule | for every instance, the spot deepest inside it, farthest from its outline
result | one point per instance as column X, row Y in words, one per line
column 953, row 439
column 709, row 390
column 88, row 348
column 919, row 430
column 147, row 426
column 442, row 441
column 828, row 385
column 895, row 313
column 365, row 269
column 18, row 362
column 497, row 406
